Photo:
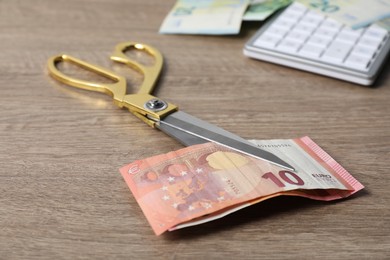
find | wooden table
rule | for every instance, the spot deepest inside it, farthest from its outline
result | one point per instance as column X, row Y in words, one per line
column 60, row 148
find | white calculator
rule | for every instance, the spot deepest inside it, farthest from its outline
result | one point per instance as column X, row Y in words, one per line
column 304, row 39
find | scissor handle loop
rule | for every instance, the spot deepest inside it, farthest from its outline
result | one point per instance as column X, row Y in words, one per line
column 136, row 103
column 151, row 73
column 117, row 89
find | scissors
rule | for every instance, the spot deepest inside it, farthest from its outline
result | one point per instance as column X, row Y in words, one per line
column 154, row 111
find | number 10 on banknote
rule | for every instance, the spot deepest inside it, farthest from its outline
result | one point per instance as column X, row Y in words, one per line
column 204, row 182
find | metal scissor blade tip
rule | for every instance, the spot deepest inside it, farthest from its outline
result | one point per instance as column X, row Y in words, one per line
column 190, row 130
column 261, row 154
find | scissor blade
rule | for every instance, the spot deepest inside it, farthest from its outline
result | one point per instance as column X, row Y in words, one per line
column 190, row 130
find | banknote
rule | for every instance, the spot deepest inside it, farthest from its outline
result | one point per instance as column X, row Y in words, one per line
column 354, row 13
column 384, row 23
column 204, row 182
column 205, row 17
column 260, row 10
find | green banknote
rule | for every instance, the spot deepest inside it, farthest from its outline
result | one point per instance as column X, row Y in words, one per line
column 354, row 13
column 384, row 23
column 259, row 10
column 205, row 17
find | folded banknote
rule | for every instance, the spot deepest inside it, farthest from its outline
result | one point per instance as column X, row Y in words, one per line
column 204, row 182
column 205, row 17
column 260, row 10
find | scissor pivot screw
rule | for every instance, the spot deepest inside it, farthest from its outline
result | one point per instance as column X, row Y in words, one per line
column 156, row 104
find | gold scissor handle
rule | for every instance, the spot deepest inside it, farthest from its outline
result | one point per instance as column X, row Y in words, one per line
column 141, row 104
column 151, row 73
column 117, row 89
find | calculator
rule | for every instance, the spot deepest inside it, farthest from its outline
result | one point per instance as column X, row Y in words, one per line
column 304, row 39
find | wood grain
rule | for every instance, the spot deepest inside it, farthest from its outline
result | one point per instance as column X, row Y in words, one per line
column 62, row 196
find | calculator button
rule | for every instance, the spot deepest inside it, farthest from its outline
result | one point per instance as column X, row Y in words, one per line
column 312, row 19
column 357, row 62
column 267, row 41
column 309, row 28
column 331, row 23
column 346, row 37
column 284, row 23
column 311, row 51
column 375, row 32
column 369, row 42
column 326, row 32
column 319, row 40
column 336, row 52
column 356, row 33
column 298, row 36
column 277, row 31
column 292, row 16
column 296, row 8
column 314, row 15
column 363, row 51
column 288, row 46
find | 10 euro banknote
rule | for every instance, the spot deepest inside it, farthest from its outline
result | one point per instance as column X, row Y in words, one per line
column 204, row 182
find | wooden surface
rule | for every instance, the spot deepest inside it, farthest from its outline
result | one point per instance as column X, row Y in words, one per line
column 62, row 196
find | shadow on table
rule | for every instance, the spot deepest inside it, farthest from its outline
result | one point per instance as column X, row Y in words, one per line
column 279, row 206
column 383, row 75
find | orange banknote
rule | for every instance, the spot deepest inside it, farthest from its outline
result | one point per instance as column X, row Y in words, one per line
column 207, row 181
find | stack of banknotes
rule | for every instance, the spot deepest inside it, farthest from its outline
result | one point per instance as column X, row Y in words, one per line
column 205, row 182
column 220, row 17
